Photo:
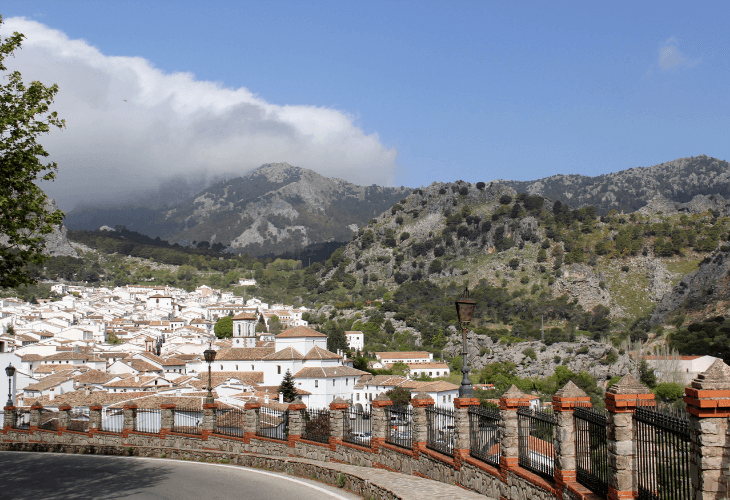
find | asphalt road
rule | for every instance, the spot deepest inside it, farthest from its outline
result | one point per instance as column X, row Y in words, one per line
column 35, row 476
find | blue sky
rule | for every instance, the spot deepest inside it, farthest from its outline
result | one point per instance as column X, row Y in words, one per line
column 395, row 92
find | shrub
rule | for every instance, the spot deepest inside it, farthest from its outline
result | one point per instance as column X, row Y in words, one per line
column 530, row 353
column 505, row 199
column 464, row 190
column 514, row 263
column 399, row 220
column 404, row 235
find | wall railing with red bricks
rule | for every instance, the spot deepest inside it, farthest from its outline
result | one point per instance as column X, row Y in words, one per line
column 484, row 455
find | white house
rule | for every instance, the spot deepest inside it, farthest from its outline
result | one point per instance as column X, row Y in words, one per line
column 428, row 369
column 355, row 340
column 321, row 385
column 407, row 357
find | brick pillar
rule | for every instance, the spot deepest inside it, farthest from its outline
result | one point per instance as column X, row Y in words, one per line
column 130, row 419
column 338, row 407
column 621, row 401
column 462, row 437
column 209, row 419
column 64, row 419
column 379, row 424
column 35, row 416
column 251, row 424
column 509, row 447
column 9, row 418
column 167, row 419
column 296, row 426
column 708, row 404
column 94, row 417
column 564, row 403
column 420, row 425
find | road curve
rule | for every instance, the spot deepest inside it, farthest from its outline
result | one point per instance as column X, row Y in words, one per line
column 34, row 476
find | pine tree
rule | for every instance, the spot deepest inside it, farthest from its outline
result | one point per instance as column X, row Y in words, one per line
column 287, row 387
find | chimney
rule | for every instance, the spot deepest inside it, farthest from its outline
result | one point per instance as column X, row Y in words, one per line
column 281, row 397
column 52, row 395
column 266, row 398
column 136, row 377
column 88, row 391
column 178, row 393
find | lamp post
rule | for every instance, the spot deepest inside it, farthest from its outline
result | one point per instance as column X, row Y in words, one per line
column 464, row 310
column 209, row 354
column 10, row 370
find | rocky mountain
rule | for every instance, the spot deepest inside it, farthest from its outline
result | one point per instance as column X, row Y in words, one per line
column 679, row 181
column 276, row 208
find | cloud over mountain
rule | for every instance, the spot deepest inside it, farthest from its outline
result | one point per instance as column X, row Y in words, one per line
column 133, row 129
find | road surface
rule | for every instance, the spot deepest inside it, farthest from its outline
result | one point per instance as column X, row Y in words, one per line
column 35, row 476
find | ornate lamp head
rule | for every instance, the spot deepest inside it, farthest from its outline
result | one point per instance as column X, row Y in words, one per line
column 465, row 307
column 10, row 370
column 209, row 354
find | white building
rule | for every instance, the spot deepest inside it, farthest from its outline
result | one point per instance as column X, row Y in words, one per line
column 355, row 340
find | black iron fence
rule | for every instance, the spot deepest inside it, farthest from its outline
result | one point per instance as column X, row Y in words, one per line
column 112, row 420
column 78, row 419
column 274, row 423
column 399, row 426
column 21, row 419
column 440, row 426
column 485, row 434
column 316, row 425
column 591, row 448
column 49, row 420
column 663, row 448
column 148, row 420
column 187, row 419
column 230, row 422
column 357, row 426
column 535, row 442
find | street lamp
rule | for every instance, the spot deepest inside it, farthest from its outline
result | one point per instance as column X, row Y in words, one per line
column 464, row 310
column 209, row 354
column 10, row 370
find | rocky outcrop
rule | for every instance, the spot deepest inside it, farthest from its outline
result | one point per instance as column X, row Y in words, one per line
column 581, row 283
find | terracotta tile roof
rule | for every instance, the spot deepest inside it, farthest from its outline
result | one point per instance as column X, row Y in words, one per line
column 421, row 386
column 243, row 353
column 80, row 398
column 133, row 382
column 246, row 315
column 381, row 380
column 319, row 353
column 94, row 377
column 142, row 366
column 403, row 355
column 220, row 378
column 50, row 381
column 31, row 357
column 288, row 353
column 328, row 371
column 299, row 331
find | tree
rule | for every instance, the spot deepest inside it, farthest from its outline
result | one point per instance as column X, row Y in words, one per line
column 25, row 213
column 646, row 374
column 224, row 327
column 400, row 368
column 399, row 396
column 288, row 388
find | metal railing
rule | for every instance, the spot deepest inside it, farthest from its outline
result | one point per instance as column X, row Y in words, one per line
column 274, row 424
column 21, row 419
column 230, row 422
column 536, row 430
column 112, row 420
column 316, row 425
column 485, row 434
column 399, row 426
column 49, row 420
column 440, row 429
column 591, row 448
column 78, row 419
column 148, row 420
column 663, row 448
column 187, row 419
column 357, row 426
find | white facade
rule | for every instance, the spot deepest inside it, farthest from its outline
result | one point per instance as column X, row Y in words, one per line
column 355, row 340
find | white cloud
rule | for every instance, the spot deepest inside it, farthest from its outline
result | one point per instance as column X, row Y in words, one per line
column 670, row 56
column 131, row 127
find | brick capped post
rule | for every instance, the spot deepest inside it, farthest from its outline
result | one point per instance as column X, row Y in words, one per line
column 621, row 401
column 420, row 425
column 379, row 425
column 338, row 408
column 35, row 416
column 130, row 419
column 708, row 404
column 167, row 419
column 509, row 448
column 251, row 422
column 210, row 415
column 9, row 418
column 296, row 426
column 64, row 419
column 462, row 436
column 564, row 403
column 94, row 417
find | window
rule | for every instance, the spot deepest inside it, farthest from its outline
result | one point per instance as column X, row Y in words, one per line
column 333, row 382
column 443, row 399
column 449, row 398
column 251, row 367
column 430, row 373
column 221, row 367
column 347, row 382
column 316, row 383
column 358, row 396
column 278, row 369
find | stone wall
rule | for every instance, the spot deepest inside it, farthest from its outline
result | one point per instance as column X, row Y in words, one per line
column 708, row 403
